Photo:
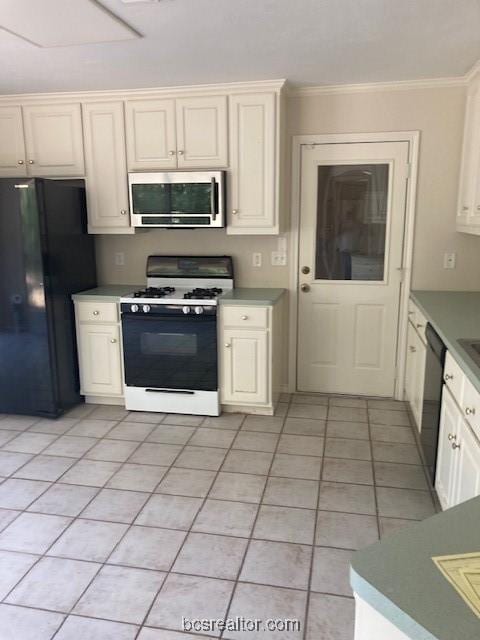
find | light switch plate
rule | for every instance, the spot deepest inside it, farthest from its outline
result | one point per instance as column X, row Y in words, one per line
column 257, row 259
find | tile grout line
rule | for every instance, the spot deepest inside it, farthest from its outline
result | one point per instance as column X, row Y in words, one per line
column 189, row 530
column 252, row 529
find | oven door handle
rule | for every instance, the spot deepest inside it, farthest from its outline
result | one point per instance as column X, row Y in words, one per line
column 189, row 393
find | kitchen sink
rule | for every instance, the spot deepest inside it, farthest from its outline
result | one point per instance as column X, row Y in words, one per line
column 472, row 347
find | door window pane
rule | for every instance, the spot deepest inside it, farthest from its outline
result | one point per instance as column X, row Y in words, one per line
column 352, row 205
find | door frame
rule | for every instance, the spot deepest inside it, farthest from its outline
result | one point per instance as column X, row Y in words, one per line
column 413, row 138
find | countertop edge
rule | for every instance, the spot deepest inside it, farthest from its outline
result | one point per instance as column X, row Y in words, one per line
column 387, row 608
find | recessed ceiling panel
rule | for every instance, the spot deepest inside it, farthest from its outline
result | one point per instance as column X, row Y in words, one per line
column 61, row 23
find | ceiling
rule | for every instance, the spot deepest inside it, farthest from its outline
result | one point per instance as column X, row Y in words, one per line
column 309, row 42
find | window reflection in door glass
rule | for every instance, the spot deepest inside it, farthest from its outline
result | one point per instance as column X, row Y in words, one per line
column 352, row 203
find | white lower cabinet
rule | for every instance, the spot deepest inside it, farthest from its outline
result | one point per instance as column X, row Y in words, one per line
column 249, row 349
column 458, row 461
column 245, row 373
column 99, row 350
column 415, row 372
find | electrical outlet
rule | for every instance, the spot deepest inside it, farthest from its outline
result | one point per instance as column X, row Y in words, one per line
column 449, row 260
column 257, row 259
column 279, row 259
column 120, row 259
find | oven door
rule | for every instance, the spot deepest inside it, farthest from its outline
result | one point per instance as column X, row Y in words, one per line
column 171, row 351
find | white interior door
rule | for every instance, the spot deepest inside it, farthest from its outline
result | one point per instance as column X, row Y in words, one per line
column 352, row 218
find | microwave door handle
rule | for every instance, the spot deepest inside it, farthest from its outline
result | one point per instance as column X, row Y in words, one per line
column 213, row 208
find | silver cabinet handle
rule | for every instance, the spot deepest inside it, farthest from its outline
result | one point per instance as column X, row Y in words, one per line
column 412, row 349
column 172, row 153
column 180, row 152
column 96, row 313
column 228, row 345
column 452, row 436
column 448, row 376
column 455, row 445
column 123, row 212
column 20, row 162
column 234, row 211
column 244, row 317
column 31, row 162
column 470, row 411
column 113, row 340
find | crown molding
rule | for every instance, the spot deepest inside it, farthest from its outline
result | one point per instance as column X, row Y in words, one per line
column 401, row 85
column 152, row 92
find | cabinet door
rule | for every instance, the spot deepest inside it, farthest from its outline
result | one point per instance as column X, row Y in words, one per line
column 100, row 359
column 253, row 156
column 107, row 190
column 410, row 367
column 53, row 137
column 447, row 457
column 12, row 143
column 469, row 186
column 467, row 477
column 244, row 367
column 151, row 137
column 420, row 355
column 202, row 132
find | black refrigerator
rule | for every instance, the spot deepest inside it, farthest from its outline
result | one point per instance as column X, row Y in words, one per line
column 46, row 255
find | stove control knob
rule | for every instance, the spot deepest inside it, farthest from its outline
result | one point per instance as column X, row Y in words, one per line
column 134, row 308
column 198, row 310
column 186, row 310
column 146, row 308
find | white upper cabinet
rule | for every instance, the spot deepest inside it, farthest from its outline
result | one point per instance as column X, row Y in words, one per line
column 253, row 197
column 151, row 134
column 53, row 139
column 12, row 143
column 202, row 132
column 186, row 133
column 107, row 190
column 468, row 207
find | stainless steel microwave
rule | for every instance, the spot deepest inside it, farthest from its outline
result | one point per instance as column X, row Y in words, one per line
column 177, row 199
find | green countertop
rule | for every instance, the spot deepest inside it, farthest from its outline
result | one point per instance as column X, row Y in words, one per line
column 454, row 315
column 252, row 296
column 107, row 293
column 242, row 295
column 398, row 578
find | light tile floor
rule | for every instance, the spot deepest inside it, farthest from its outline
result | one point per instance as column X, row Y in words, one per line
column 114, row 525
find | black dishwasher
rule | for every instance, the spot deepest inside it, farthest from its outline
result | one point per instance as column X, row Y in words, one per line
column 432, row 397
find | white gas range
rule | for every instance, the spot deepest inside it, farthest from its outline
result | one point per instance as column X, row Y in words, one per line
column 170, row 335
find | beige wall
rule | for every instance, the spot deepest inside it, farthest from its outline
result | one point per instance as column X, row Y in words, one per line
column 198, row 242
column 437, row 113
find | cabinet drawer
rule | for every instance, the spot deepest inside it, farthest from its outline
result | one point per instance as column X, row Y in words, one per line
column 97, row 311
column 454, row 378
column 245, row 317
column 417, row 319
column 471, row 406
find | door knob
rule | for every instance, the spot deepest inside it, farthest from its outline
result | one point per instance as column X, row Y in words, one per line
column 20, row 162
column 455, row 445
column 305, row 287
column 171, row 153
column 452, row 436
column 123, row 212
column 305, row 270
column 228, row 345
column 113, row 341
column 30, row 162
column 180, row 152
